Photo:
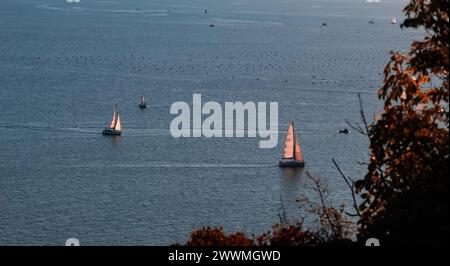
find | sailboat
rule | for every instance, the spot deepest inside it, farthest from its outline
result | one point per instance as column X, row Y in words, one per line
column 115, row 128
column 292, row 154
column 372, row 21
column 393, row 20
column 143, row 104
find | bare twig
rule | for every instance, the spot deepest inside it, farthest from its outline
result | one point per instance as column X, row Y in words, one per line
column 282, row 215
column 320, row 190
column 351, row 185
column 318, row 187
column 363, row 116
column 357, row 127
column 352, row 214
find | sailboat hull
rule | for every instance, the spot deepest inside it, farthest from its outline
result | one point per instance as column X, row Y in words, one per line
column 143, row 105
column 111, row 132
column 291, row 163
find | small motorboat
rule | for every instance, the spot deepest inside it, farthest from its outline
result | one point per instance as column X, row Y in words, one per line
column 372, row 21
column 211, row 25
column 344, row 131
column 115, row 128
column 324, row 24
column 292, row 154
column 143, row 104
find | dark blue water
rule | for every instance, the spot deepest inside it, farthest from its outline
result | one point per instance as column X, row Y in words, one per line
column 63, row 66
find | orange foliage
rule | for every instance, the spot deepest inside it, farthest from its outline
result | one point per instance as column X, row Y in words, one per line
column 405, row 191
column 291, row 235
column 208, row 236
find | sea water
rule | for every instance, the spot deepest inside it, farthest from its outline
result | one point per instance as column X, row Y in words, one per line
column 65, row 65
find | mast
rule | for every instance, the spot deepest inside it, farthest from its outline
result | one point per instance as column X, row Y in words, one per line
column 142, row 98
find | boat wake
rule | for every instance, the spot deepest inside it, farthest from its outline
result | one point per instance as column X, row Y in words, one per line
column 138, row 131
column 176, row 165
column 200, row 165
column 58, row 8
column 41, row 127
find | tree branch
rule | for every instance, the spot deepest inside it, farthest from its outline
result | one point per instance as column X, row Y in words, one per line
column 351, row 184
column 363, row 116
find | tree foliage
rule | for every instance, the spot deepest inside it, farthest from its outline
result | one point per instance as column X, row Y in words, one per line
column 405, row 192
column 215, row 236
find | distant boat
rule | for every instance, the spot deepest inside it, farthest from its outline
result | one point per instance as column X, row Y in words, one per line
column 115, row 128
column 372, row 21
column 344, row 131
column 211, row 25
column 205, row 11
column 393, row 20
column 324, row 24
column 143, row 104
column 292, row 154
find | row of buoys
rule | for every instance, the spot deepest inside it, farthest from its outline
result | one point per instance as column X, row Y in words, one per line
column 209, row 68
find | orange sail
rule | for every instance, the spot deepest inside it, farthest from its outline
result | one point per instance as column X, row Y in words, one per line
column 288, row 151
column 292, row 148
column 298, row 151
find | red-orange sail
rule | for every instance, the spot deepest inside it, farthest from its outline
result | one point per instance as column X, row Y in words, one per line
column 292, row 148
column 298, row 151
column 288, row 151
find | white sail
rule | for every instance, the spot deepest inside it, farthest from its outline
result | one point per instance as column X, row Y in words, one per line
column 114, row 120
column 118, row 126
